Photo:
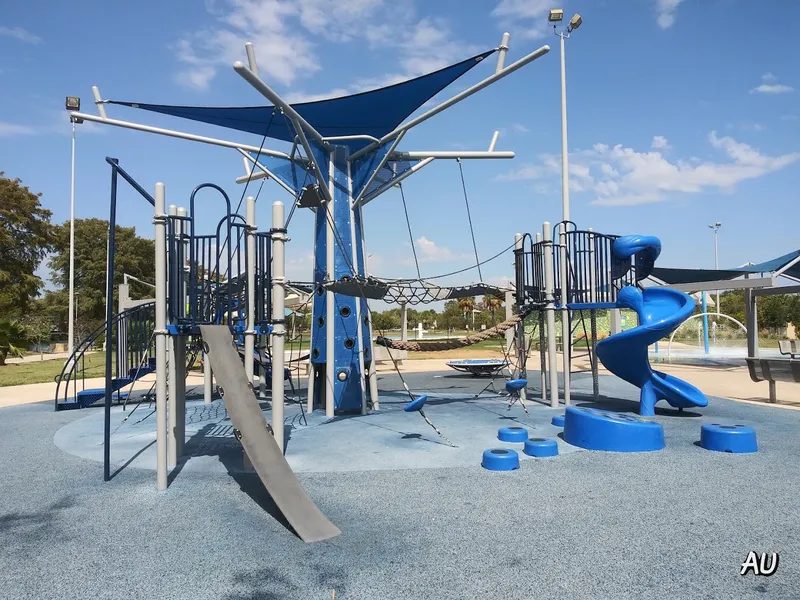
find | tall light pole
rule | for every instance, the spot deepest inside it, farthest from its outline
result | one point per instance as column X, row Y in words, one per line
column 73, row 103
column 556, row 17
column 715, row 227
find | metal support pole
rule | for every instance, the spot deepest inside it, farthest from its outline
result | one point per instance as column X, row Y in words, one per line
column 542, row 345
column 550, row 313
column 278, row 317
column 112, row 221
column 509, row 302
column 207, row 379
column 501, row 54
column 704, row 308
column 71, row 309
column 522, row 347
column 311, row 375
column 179, row 424
column 593, row 316
column 160, row 221
column 250, row 330
column 330, row 309
column 564, row 146
column 404, row 322
column 566, row 326
column 172, row 396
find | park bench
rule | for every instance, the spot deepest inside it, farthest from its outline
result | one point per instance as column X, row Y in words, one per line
column 772, row 370
column 789, row 347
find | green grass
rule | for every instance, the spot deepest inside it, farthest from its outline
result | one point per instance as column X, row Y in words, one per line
column 43, row 371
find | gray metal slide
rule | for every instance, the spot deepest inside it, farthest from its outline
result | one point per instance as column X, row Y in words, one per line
column 267, row 458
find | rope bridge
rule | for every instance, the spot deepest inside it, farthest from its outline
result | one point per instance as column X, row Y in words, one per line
column 407, row 292
column 434, row 345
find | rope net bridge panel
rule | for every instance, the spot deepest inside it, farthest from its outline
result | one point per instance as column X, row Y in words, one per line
column 410, row 292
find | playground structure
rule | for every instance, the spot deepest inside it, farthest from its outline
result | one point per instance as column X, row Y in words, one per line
column 587, row 271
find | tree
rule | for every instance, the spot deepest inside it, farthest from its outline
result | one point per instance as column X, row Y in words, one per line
column 37, row 326
column 492, row 303
column 25, row 237
column 467, row 305
column 134, row 255
column 383, row 321
column 453, row 317
column 11, row 339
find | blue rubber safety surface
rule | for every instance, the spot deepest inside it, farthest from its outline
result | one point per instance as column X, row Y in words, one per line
column 419, row 519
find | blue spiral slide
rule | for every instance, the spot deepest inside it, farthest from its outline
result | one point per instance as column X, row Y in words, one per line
column 661, row 311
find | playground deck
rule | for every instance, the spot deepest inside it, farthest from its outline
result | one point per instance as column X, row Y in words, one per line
column 418, row 519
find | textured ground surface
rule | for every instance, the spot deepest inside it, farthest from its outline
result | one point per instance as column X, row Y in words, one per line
column 670, row 524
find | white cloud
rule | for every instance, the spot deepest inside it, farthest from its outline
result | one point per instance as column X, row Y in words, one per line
column 429, row 251
column 620, row 176
column 530, row 14
column 789, row 118
column 659, row 142
column 14, row 129
column 283, row 35
column 665, row 9
column 20, row 34
column 774, row 88
column 519, row 128
column 769, row 86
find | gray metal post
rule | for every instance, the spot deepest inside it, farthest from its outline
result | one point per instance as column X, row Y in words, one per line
column 509, row 302
column 404, row 322
column 311, row 374
column 566, row 326
column 751, row 309
column 160, row 221
column 522, row 346
column 250, row 249
column 330, row 308
column 616, row 320
column 207, row 379
column 278, row 316
column 172, row 394
column 550, row 313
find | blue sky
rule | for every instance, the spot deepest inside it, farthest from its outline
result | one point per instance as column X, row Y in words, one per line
column 681, row 113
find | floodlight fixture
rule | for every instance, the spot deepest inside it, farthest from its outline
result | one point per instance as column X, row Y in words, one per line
column 575, row 21
column 72, row 103
column 556, row 15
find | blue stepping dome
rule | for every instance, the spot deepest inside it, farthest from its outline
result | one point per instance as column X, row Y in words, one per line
column 737, row 439
column 512, row 434
column 515, row 385
column 500, row 459
column 558, row 420
column 416, row 404
column 540, row 447
column 611, row 431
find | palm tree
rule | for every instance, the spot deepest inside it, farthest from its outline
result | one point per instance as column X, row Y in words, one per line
column 466, row 305
column 492, row 302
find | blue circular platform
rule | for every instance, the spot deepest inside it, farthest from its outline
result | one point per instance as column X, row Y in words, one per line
column 500, row 459
column 540, row 447
column 558, row 420
column 512, row 434
column 737, row 439
column 610, row 431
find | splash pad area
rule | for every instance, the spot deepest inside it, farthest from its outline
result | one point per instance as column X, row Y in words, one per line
column 419, row 519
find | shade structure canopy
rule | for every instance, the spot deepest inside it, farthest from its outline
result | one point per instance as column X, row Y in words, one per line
column 673, row 276
column 374, row 113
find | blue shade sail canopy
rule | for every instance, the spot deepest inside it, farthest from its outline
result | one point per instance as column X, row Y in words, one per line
column 375, row 112
column 681, row 276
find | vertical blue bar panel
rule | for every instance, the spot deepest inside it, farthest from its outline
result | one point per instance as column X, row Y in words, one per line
column 362, row 270
column 704, row 308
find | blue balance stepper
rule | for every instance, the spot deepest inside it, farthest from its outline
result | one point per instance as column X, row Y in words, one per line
column 738, row 439
column 558, row 420
column 512, row 434
column 515, row 385
column 416, row 404
column 611, row 431
column 540, row 447
column 500, row 459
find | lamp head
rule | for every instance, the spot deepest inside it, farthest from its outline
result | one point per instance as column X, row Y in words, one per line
column 575, row 21
column 72, row 103
column 556, row 15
